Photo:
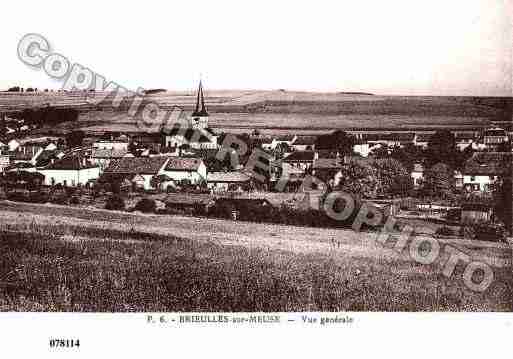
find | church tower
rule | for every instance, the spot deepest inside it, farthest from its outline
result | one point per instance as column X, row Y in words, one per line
column 200, row 114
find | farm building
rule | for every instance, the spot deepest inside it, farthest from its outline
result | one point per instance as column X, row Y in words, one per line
column 301, row 159
column 328, row 170
column 4, row 162
column 228, row 181
column 70, row 171
column 483, row 169
column 304, row 143
column 103, row 157
column 179, row 169
column 138, row 170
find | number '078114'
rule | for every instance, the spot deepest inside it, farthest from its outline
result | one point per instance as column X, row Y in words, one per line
column 64, row 343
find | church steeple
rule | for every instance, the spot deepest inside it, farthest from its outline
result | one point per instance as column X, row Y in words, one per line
column 200, row 110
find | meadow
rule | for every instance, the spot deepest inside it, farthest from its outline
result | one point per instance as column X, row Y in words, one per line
column 54, row 258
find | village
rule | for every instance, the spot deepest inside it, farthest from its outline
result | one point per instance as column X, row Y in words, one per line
column 448, row 181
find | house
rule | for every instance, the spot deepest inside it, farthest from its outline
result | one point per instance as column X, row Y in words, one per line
column 4, row 162
column 328, row 170
column 390, row 139
column 188, row 169
column 228, row 181
column 301, row 159
column 362, row 148
column 27, row 154
column 463, row 140
column 304, row 143
column 283, row 140
column 494, row 137
column 70, row 171
column 476, row 212
column 103, row 157
column 47, row 157
column 13, row 144
column 194, row 138
column 483, row 169
column 417, row 174
column 138, row 170
column 119, row 144
column 422, row 139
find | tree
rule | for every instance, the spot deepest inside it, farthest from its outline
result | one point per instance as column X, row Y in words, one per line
column 358, row 178
column 393, row 178
column 338, row 140
column 407, row 155
column 441, row 149
column 503, row 202
column 439, row 182
column 115, row 203
column 381, row 151
column 75, row 138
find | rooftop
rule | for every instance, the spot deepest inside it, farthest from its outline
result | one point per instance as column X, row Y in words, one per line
column 137, row 165
column 183, row 164
column 227, row 177
column 300, row 156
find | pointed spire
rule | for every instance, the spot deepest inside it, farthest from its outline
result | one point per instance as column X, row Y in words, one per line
column 200, row 100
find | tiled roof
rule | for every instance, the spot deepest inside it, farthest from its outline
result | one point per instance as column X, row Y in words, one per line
column 227, row 177
column 327, row 163
column 305, row 140
column 183, row 164
column 300, row 156
column 70, row 164
column 135, row 165
column 44, row 157
column 108, row 153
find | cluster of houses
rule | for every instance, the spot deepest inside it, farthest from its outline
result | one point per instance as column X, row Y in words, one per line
column 177, row 155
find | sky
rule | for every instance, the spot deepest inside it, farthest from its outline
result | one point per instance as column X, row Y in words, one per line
column 394, row 47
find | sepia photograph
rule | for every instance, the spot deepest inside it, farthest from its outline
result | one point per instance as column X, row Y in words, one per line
column 254, row 164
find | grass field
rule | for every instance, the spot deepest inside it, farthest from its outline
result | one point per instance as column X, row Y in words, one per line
column 58, row 258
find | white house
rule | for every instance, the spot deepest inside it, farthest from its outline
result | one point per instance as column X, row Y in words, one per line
column 483, row 169
column 225, row 181
column 70, row 171
column 417, row 174
column 115, row 145
column 185, row 168
column 13, row 144
column 4, row 162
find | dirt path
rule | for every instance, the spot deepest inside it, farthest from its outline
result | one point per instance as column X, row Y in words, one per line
column 340, row 242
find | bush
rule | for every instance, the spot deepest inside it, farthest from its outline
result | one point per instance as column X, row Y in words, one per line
column 444, row 231
column 484, row 231
column 146, row 205
column 59, row 198
column 74, row 200
column 115, row 203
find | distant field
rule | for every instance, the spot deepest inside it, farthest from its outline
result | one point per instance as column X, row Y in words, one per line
column 245, row 110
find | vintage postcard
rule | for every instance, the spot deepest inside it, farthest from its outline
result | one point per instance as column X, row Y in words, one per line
column 281, row 174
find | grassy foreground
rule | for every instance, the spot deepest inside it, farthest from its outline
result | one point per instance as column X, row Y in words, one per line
column 74, row 268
